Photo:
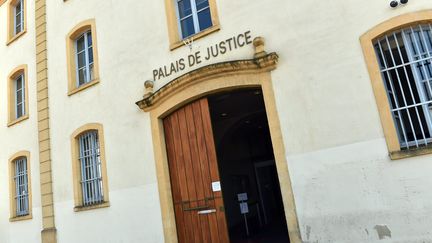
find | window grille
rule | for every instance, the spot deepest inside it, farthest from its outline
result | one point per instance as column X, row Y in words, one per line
column 19, row 97
column 19, row 17
column 91, row 178
column 405, row 58
column 21, row 187
column 84, row 58
column 194, row 16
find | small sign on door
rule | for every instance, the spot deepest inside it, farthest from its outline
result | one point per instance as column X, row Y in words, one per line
column 244, row 208
column 216, row 186
column 242, row 197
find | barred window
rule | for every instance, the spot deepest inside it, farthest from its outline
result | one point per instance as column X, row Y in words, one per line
column 90, row 162
column 405, row 62
column 21, row 187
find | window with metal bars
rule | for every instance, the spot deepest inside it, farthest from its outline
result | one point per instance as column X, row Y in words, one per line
column 90, row 162
column 21, row 187
column 405, row 58
column 193, row 16
column 19, row 96
column 19, row 17
column 84, row 58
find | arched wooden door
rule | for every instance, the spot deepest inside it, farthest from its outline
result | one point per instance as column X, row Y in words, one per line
column 198, row 204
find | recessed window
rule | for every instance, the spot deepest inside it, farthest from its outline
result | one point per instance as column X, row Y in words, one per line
column 89, row 168
column 19, row 17
column 193, row 16
column 190, row 19
column 405, row 58
column 19, row 89
column 18, row 95
column 82, row 57
column 90, row 164
column 17, row 20
column 20, row 186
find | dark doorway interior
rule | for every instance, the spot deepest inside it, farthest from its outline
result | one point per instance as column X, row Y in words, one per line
column 246, row 164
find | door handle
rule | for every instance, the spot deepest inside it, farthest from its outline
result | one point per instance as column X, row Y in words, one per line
column 195, row 208
column 186, row 203
column 208, row 211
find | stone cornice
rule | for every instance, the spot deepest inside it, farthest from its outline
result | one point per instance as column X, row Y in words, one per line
column 261, row 63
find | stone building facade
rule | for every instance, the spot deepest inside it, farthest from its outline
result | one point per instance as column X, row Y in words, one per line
column 173, row 121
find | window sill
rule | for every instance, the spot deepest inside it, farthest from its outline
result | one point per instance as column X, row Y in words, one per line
column 403, row 154
column 20, row 218
column 13, row 122
column 86, row 208
column 15, row 37
column 197, row 36
column 83, row 87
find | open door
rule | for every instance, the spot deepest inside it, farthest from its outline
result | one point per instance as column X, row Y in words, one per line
column 195, row 183
column 252, row 196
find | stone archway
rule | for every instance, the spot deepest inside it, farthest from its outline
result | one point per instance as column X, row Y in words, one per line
column 214, row 78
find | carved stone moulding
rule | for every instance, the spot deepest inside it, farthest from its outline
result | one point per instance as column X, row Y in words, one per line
column 261, row 63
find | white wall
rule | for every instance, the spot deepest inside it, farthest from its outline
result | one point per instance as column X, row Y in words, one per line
column 344, row 183
column 346, row 188
column 21, row 136
column 134, row 214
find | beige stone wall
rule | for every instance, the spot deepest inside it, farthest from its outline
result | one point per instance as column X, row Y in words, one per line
column 21, row 136
column 345, row 186
column 324, row 99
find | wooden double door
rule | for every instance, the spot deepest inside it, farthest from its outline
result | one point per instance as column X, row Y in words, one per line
column 195, row 183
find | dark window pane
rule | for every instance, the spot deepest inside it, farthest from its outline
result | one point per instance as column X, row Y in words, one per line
column 420, row 44
column 18, row 19
column 399, row 125
column 408, row 85
column 380, row 57
column 187, row 27
column 90, row 52
column 200, row 4
column 19, row 111
column 184, row 8
column 428, row 37
column 17, row 29
column 204, row 19
column 89, row 39
column 91, row 72
column 18, row 24
column 414, row 45
column 81, row 60
column 81, row 76
column 19, row 83
column 395, row 44
column 19, row 98
column 80, row 44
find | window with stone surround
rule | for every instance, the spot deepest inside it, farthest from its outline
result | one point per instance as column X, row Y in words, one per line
column 82, row 57
column 404, row 58
column 17, row 20
column 190, row 19
column 20, row 187
column 89, row 167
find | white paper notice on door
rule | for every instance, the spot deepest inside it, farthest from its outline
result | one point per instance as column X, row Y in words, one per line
column 242, row 196
column 244, row 208
column 216, row 186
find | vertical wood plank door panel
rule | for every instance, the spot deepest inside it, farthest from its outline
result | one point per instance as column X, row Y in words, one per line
column 199, row 212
